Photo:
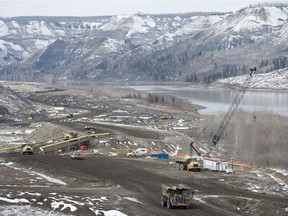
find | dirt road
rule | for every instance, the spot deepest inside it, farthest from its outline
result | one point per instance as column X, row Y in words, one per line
column 143, row 179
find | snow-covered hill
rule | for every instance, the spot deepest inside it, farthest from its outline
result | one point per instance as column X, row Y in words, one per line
column 255, row 19
column 168, row 47
column 21, row 37
column 273, row 80
column 51, row 43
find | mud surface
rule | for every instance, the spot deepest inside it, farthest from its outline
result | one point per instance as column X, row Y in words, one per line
column 102, row 183
column 142, row 179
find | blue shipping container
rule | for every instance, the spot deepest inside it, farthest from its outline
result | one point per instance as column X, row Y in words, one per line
column 160, row 156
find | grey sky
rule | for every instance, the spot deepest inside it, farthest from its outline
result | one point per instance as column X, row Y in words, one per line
column 9, row 8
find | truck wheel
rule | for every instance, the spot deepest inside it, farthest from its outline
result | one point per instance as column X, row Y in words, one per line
column 181, row 166
column 169, row 206
column 163, row 201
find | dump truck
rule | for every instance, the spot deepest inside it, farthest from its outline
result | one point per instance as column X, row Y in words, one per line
column 26, row 149
column 179, row 195
column 189, row 164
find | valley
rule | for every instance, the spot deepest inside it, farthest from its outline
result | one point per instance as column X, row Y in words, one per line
column 79, row 96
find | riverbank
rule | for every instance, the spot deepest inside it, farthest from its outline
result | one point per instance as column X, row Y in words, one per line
column 273, row 81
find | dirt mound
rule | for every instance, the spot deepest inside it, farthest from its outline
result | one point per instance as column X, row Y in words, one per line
column 46, row 132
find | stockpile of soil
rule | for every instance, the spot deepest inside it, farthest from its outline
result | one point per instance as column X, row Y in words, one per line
column 46, row 132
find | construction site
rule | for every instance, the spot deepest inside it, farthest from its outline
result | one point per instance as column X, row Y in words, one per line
column 99, row 155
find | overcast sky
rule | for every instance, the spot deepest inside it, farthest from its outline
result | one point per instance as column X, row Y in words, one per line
column 9, row 8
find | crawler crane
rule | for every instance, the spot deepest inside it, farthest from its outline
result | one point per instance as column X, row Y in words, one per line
column 227, row 117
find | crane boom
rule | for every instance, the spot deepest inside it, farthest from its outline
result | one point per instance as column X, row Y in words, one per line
column 228, row 116
column 231, row 111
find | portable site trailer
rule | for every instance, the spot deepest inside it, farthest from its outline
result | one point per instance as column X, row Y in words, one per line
column 215, row 164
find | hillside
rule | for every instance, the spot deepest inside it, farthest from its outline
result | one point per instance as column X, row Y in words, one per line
column 273, row 80
column 190, row 47
column 15, row 107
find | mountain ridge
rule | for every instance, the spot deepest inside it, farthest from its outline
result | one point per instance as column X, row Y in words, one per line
column 175, row 47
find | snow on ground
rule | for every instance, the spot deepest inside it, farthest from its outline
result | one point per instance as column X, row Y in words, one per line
column 108, row 213
column 25, row 210
column 21, row 202
column 264, row 181
column 50, row 179
column 13, row 136
column 32, row 173
column 15, row 201
column 283, row 172
column 132, row 199
column 63, row 205
column 199, row 199
column 58, row 204
column 273, row 80
column 280, row 182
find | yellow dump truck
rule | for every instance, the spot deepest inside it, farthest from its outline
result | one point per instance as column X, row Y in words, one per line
column 179, row 195
column 189, row 164
column 27, row 149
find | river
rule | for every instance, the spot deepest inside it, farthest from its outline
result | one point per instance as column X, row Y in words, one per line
column 218, row 101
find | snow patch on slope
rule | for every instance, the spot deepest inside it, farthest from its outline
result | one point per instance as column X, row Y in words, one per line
column 273, row 80
column 3, row 28
column 254, row 19
column 112, row 45
column 133, row 24
column 38, row 28
column 198, row 23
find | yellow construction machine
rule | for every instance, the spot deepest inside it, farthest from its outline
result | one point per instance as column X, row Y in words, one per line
column 189, row 164
column 27, row 149
column 166, row 116
column 180, row 195
column 70, row 135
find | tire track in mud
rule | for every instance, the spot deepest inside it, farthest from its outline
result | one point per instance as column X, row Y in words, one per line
column 140, row 177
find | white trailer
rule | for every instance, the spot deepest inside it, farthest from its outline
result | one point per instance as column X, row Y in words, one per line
column 215, row 164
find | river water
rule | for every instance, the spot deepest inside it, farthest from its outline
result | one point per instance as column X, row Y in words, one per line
column 218, row 101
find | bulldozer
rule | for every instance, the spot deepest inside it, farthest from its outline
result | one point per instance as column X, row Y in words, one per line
column 70, row 115
column 166, row 116
column 179, row 195
column 70, row 135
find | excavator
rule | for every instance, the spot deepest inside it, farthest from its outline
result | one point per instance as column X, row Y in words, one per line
column 227, row 117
